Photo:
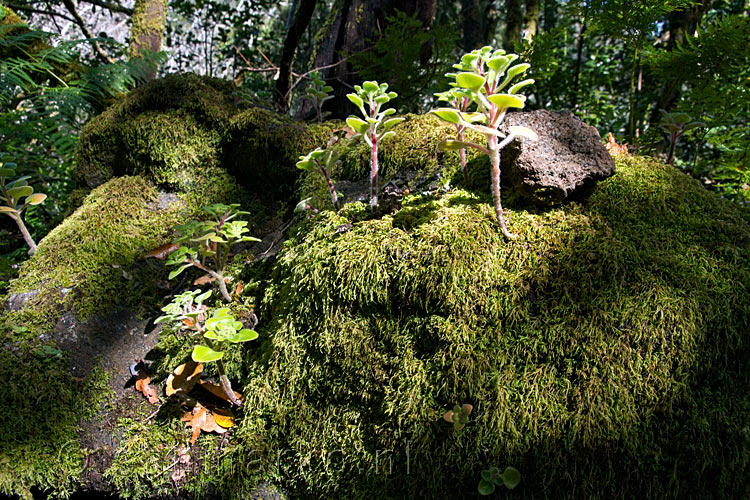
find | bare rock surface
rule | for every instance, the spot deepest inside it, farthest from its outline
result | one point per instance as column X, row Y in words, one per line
column 565, row 163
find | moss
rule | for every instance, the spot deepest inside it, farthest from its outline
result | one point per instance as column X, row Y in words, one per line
column 42, row 405
column 604, row 351
column 89, row 252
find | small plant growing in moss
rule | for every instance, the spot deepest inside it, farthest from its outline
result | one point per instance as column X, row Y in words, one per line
column 15, row 197
column 674, row 125
column 492, row 477
column 322, row 160
column 207, row 244
column 459, row 99
column 459, row 416
column 484, row 74
column 188, row 313
column 318, row 93
column 375, row 128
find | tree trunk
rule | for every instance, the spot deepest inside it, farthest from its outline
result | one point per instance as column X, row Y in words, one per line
column 682, row 23
column 513, row 21
column 351, row 27
column 296, row 30
column 579, row 57
column 550, row 14
column 149, row 18
column 478, row 19
column 532, row 19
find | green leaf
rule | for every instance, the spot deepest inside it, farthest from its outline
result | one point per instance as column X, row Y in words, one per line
column 204, row 354
column 498, row 63
column 356, row 100
column 452, row 145
column 504, row 101
column 359, row 126
column 20, row 192
column 470, row 81
column 178, row 271
column 6, row 172
column 36, row 198
column 487, row 475
column 244, row 335
column 306, row 164
column 388, row 135
column 447, row 114
column 392, row 122
column 518, row 86
column 511, row 477
column 486, row 488
column 518, row 69
column 382, row 99
column 370, row 86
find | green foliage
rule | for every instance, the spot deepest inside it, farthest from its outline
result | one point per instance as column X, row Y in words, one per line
column 483, row 77
column 369, row 98
column 207, row 244
column 492, row 477
column 323, row 160
column 412, row 56
column 318, row 93
column 459, row 416
column 17, row 196
column 221, row 329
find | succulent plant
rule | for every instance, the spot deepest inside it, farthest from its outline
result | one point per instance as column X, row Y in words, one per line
column 458, row 416
column 459, row 99
column 318, row 93
column 15, row 197
column 484, row 76
column 674, row 125
column 376, row 126
column 492, row 477
column 322, row 160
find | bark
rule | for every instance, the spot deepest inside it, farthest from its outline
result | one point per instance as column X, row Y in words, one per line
column 351, row 27
column 532, row 19
column 149, row 17
column 478, row 20
column 513, row 21
column 301, row 21
column 682, row 23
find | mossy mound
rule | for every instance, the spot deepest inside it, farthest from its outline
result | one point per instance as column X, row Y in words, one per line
column 605, row 351
column 185, row 131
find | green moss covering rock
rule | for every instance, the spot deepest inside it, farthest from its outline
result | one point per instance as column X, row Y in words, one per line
column 605, row 351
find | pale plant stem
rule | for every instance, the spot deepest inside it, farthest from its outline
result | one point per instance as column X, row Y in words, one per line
column 334, row 196
column 26, row 235
column 496, row 191
column 462, row 157
column 374, row 172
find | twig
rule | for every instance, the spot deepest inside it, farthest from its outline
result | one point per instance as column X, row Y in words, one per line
column 85, row 30
column 110, row 6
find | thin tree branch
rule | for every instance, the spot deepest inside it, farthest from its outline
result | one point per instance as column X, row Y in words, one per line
column 110, row 6
column 40, row 11
column 84, row 29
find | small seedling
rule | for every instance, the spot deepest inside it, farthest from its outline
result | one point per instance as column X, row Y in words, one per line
column 458, row 416
column 322, row 160
column 459, row 99
column 188, row 313
column 375, row 128
column 15, row 197
column 484, row 75
column 206, row 242
column 674, row 125
column 318, row 93
column 491, row 477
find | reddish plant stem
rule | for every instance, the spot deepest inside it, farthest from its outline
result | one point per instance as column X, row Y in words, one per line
column 374, row 172
column 462, row 157
column 334, row 196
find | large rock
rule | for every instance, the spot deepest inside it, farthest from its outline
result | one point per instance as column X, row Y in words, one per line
column 566, row 161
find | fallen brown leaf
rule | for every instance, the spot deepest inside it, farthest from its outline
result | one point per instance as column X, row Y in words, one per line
column 142, row 384
column 224, row 417
column 203, row 280
column 201, row 419
column 162, row 252
column 218, row 391
column 184, row 378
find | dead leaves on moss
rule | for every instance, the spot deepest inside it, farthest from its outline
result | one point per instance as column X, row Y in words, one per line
column 143, row 382
column 201, row 419
column 183, row 378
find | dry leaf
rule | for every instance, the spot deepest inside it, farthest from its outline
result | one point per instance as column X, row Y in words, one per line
column 203, row 280
column 162, row 252
column 143, row 385
column 223, row 417
column 178, row 475
column 614, row 148
column 183, row 378
column 195, row 419
column 218, row 391
column 238, row 289
column 200, row 419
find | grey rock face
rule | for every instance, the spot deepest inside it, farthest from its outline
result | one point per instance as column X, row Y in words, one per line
column 566, row 162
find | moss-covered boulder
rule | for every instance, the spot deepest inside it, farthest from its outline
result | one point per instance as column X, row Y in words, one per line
column 185, row 131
